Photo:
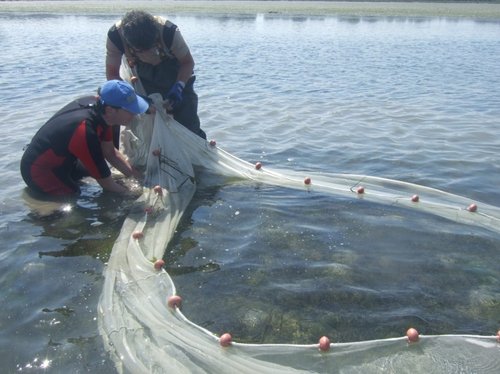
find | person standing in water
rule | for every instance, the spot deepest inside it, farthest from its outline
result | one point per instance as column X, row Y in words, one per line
column 155, row 48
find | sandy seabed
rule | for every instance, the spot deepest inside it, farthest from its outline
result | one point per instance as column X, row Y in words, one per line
column 297, row 8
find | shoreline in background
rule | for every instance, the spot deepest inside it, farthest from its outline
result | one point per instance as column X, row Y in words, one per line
column 293, row 8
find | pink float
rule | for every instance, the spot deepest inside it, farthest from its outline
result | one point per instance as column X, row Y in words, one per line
column 137, row 235
column 225, row 340
column 472, row 208
column 159, row 264
column 412, row 335
column 174, row 301
column 324, row 344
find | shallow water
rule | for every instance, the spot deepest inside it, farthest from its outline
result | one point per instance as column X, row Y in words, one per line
column 415, row 99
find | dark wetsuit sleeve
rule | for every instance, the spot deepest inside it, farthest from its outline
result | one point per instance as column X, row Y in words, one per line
column 86, row 146
column 168, row 34
column 114, row 36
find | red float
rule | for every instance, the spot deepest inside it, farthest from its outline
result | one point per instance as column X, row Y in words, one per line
column 159, row 264
column 324, row 344
column 472, row 208
column 158, row 190
column 137, row 235
column 412, row 335
column 174, row 301
column 225, row 340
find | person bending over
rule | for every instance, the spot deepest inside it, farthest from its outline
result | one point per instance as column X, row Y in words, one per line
column 155, row 47
column 78, row 142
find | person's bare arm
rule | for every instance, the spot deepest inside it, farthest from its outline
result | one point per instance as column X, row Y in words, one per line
column 113, row 61
column 112, row 72
column 186, row 67
column 116, row 159
column 108, row 184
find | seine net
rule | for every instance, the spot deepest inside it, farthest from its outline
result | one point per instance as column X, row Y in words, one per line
column 144, row 333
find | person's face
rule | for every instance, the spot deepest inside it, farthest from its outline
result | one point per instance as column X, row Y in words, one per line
column 119, row 116
column 144, row 51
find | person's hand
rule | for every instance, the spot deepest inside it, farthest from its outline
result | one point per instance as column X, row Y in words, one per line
column 174, row 96
column 151, row 108
column 132, row 193
column 137, row 174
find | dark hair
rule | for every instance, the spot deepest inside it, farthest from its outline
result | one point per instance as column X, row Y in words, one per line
column 100, row 106
column 139, row 29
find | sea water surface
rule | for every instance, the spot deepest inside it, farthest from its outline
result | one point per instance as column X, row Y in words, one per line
column 413, row 99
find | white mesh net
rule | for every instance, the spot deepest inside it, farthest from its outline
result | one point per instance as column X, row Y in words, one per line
column 144, row 334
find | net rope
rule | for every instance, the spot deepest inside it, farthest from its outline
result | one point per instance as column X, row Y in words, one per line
column 143, row 334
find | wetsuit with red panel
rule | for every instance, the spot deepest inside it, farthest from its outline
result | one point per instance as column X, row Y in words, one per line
column 67, row 148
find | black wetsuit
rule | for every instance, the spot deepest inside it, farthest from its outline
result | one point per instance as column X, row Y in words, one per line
column 67, row 148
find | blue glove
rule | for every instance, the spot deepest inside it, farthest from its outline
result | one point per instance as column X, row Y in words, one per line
column 174, row 96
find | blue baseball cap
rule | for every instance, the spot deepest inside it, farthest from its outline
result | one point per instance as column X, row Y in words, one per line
column 122, row 95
